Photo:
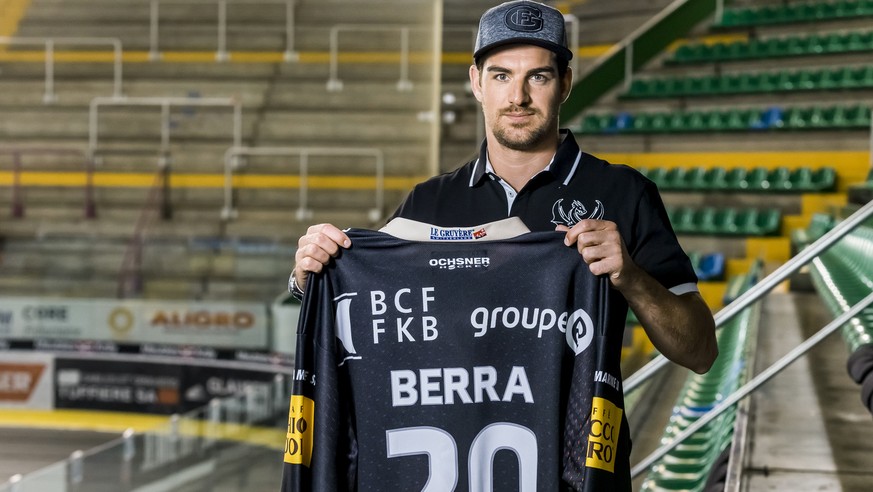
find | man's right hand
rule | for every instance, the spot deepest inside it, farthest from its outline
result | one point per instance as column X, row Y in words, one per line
column 314, row 250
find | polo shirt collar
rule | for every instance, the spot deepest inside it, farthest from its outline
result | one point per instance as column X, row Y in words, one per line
column 563, row 165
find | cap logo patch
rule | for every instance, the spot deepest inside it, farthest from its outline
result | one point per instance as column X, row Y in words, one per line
column 524, row 18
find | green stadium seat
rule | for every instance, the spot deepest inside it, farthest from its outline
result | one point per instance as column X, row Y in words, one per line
column 757, row 180
column 735, row 179
column 824, row 179
column 801, row 180
column 696, row 179
column 641, row 123
column 860, row 41
column 725, row 221
column 796, row 45
column 779, row 179
column 834, row 43
column 683, row 220
column 675, row 179
column 715, row 179
column 768, row 222
column 658, row 175
column 716, row 121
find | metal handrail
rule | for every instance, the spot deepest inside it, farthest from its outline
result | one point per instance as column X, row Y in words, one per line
column 165, row 103
column 754, row 384
column 221, row 53
column 17, row 153
column 49, row 96
column 231, row 162
column 763, row 287
column 334, row 84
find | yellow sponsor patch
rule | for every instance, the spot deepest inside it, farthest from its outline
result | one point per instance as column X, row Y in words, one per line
column 603, row 435
column 298, row 440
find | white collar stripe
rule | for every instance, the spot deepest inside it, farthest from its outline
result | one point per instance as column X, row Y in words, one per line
column 573, row 170
column 473, row 174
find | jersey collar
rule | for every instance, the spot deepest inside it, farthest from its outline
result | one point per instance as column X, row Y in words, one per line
column 563, row 165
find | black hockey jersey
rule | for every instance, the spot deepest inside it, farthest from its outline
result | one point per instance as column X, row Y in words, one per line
column 458, row 363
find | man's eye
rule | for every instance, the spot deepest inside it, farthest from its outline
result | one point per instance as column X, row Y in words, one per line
column 501, row 77
column 538, row 77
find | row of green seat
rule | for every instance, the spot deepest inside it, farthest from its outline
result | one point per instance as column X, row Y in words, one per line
column 795, row 12
column 688, row 466
column 814, row 44
column 720, row 120
column 843, row 275
column 727, row 221
column 744, row 83
column 740, row 179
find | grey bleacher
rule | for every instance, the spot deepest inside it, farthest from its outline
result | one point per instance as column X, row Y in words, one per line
column 284, row 104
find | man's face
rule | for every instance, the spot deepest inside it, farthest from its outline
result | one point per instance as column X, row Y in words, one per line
column 520, row 92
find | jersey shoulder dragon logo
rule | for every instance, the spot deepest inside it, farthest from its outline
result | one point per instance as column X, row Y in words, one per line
column 576, row 213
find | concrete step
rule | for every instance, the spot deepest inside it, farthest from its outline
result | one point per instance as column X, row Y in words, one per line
column 345, row 11
column 347, row 126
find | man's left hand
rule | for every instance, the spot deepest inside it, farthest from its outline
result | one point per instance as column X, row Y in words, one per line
column 602, row 248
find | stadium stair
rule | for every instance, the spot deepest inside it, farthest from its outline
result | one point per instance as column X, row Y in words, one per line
column 689, row 466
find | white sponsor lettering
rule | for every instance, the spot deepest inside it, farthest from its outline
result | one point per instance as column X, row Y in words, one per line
column 605, row 377
column 543, row 320
column 404, row 302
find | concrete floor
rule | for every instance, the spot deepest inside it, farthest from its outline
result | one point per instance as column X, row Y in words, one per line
column 809, row 430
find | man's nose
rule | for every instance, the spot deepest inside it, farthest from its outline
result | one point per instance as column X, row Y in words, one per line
column 519, row 95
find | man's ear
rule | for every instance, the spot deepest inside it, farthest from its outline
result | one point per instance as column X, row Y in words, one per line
column 566, row 85
column 474, row 82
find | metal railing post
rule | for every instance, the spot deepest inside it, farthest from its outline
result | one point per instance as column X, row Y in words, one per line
column 129, row 447
column 221, row 54
column 77, row 466
column 719, row 11
column 237, row 122
column 574, row 41
column 49, row 95
column 376, row 213
column 164, row 158
column 763, row 287
column 404, row 84
column 92, row 130
column 154, row 54
column 304, row 213
column 230, row 162
column 334, row 84
column 117, row 79
column 290, row 54
column 754, row 384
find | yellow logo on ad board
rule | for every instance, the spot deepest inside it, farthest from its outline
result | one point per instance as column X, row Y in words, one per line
column 603, row 435
column 298, row 440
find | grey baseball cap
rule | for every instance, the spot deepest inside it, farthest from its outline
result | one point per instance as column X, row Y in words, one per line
column 524, row 22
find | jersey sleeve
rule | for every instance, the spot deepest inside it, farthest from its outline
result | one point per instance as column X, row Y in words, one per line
column 319, row 444
column 655, row 247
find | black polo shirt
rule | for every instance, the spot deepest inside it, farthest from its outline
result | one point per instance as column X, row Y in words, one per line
column 575, row 186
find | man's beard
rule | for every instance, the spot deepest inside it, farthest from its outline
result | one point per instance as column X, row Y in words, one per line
column 525, row 141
